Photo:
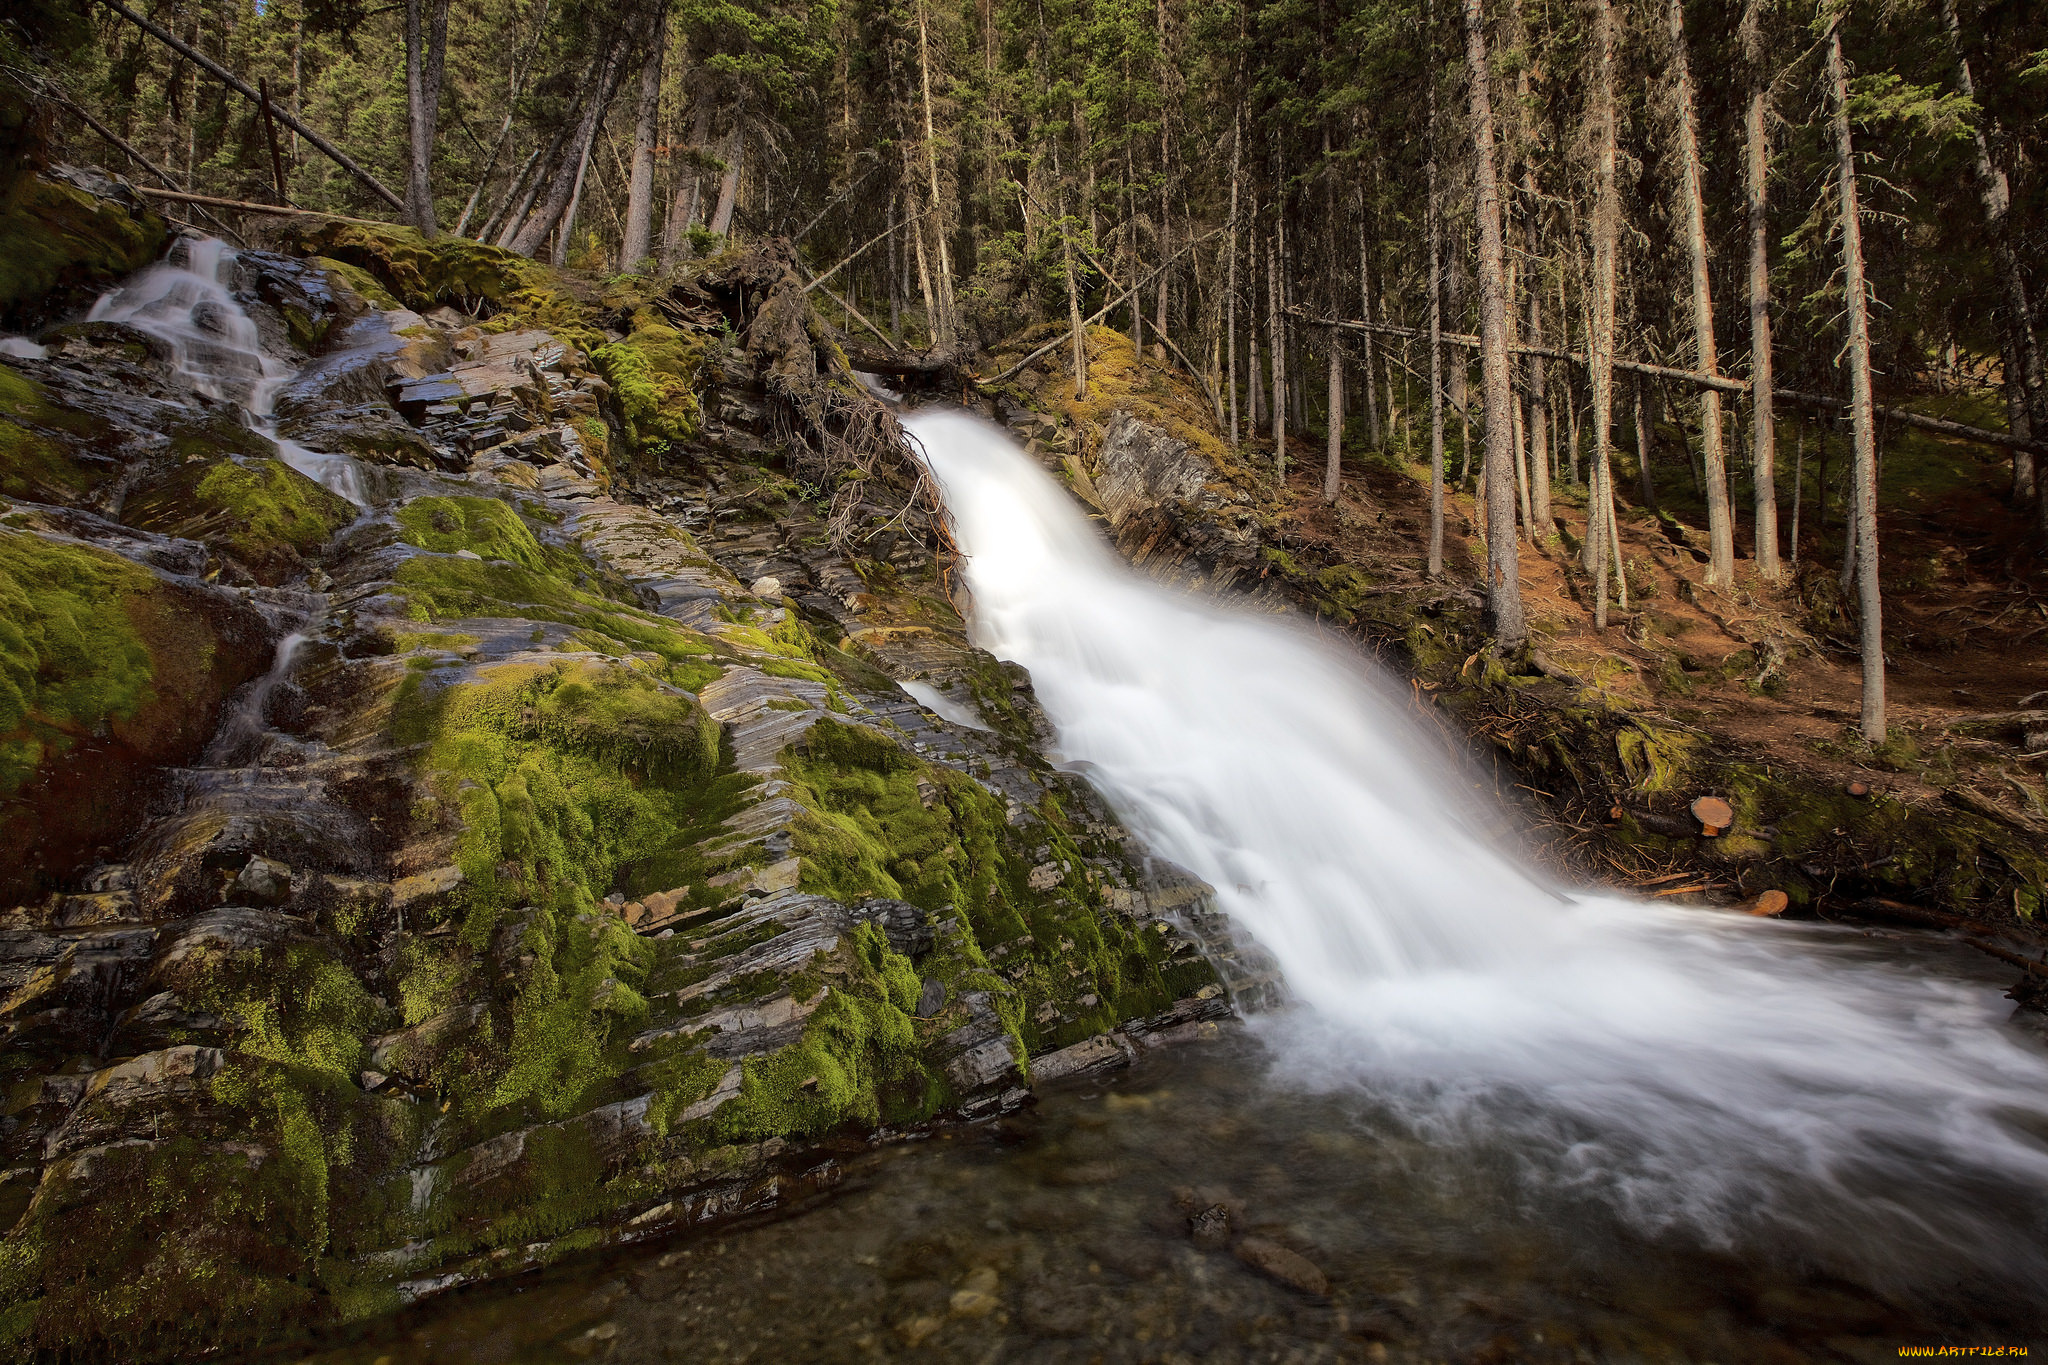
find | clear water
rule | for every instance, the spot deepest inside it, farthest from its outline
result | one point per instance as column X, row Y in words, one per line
column 184, row 301
column 1063, row 1235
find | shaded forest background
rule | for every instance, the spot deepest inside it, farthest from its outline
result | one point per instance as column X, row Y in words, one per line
column 1663, row 183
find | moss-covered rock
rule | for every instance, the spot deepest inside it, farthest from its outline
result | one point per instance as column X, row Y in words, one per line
column 107, row 671
column 654, row 374
column 60, row 245
column 47, row 450
column 516, row 291
column 260, row 512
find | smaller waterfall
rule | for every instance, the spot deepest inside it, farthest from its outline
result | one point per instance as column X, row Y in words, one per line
column 245, row 724
column 215, row 347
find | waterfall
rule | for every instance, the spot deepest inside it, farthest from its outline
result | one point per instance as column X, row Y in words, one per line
column 1741, row 1078
column 215, row 347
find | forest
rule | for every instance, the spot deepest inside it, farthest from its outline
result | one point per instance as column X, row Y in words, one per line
column 1561, row 222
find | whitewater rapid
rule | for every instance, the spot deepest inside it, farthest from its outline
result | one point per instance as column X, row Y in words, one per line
column 1752, row 1082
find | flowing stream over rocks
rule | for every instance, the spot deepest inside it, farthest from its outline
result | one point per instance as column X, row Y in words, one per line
column 216, row 348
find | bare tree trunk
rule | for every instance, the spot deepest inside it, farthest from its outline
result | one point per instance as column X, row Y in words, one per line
column 568, row 225
column 942, row 325
column 1692, row 209
column 1645, row 477
column 1869, row 599
column 729, row 182
column 1276, row 329
column 1538, row 509
column 1230, row 290
column 1435, row 233
column 1600, row 345
column 639, row 234
column 426, row 57
column 1073, row 299
column 1996, row 197
column 1372, row 406
column 1333, row 468
column 682, row 210
column 1504, row 572
column 1764, row 441
column 1798, row 491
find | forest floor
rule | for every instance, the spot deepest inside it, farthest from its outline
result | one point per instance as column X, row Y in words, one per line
column 1769, row 666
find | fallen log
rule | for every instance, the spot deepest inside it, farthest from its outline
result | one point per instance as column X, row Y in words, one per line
column 234, row 82
column 247, row 206
column 1723, row 383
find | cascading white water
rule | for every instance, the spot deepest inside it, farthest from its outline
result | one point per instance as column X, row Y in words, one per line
column 186, row 304
column 1752, row 1080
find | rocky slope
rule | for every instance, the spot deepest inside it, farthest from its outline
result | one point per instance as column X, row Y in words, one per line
column 538, row 856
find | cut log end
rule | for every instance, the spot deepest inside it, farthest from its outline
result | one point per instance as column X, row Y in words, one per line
column 1768, row 904
column 1714, row 815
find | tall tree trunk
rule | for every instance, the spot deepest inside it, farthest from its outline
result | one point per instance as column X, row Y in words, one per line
column 1600, row 344
column 1644, row 476
column 1230, row 289
column 942, row 325
column 639, row 234
column 1073, row 298
column 1798, row 493
column 2022, row 339
column 729, row 182
column 1504, row 573
column 1692, row 210
column 567, row 178
column 1333, row 467
column 1371, row 348
column 1433, row 212
column 689, row 195
column 426, row 56
column 1764, row 441
column 1540, row 522
column 1276, row 329
column 1869, row 600
column 568, row 224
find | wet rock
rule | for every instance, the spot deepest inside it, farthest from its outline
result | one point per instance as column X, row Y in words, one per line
column 976, row 1296
column 908, row 928
column 1141, row 467
column 1091, row 1056
column 1276, row 1262
column 263, row 882
column 150, row 1081
column 1210, row 1227
column 1059, row 1309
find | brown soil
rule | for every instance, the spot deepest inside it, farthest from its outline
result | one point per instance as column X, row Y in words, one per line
column 1772, row 667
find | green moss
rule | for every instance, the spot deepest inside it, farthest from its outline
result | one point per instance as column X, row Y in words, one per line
column 359, row 280
column 54, row 237
column 857, row 1047
column 45, row 449
column 882, row 822
column 483, row 526
column 162, row 1251
column 554, row 779
column 654, row 374
column 71, row 657
column 261, row 512
column 517, row 291
column 1655, row 759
